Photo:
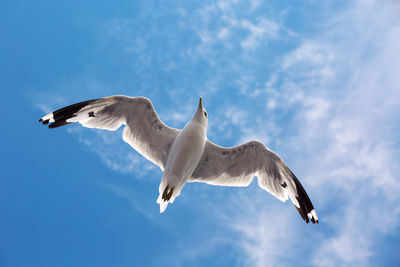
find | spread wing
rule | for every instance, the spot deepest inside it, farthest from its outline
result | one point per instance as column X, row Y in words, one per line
column 236, row 166
column 144, row 130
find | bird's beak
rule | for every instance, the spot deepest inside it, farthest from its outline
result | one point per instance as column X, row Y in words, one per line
column 200, row 104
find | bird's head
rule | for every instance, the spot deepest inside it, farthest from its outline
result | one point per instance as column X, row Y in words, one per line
column 201, row 115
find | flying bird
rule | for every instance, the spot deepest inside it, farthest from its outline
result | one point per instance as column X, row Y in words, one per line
column 187, row 155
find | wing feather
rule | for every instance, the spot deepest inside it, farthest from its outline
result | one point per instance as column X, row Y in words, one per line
column 237, row 166
column 144, row 130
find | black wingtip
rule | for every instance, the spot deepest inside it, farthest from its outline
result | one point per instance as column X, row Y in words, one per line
column 303, row 214
column 58, row 124
column 61, row 116
column 304, row 201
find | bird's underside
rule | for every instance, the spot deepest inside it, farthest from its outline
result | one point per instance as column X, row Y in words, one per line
column 146, row 133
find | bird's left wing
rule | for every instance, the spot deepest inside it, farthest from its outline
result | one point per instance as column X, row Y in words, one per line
column 236, row 166
column 144, row 130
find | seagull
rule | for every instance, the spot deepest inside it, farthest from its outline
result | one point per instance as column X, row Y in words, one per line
column 187, row 155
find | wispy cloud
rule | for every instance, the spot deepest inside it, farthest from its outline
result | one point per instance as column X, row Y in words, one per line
column 261, row 30
column 266, row 234
column 344, row 103
column 113, row 152
column 230, row 25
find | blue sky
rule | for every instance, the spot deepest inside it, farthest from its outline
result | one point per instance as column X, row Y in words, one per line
column 318, row 83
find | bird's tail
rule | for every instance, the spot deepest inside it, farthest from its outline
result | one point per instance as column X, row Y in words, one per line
column 166, row 196
column 163, row 205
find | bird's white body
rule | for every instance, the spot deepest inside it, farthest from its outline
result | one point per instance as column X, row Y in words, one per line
column 186, row 155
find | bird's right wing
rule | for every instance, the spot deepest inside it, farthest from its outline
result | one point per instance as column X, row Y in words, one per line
column 236, row 166
column 144, row 130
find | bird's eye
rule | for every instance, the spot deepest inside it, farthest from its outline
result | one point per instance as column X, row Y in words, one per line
column 205, row 113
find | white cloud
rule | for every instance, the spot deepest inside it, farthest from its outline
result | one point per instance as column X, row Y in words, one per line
column 316, row 108
column 179, row 115
column 265, row 232
column 254, row 4
column 226, row 24
column 345, row 106
column 113, row 152
column 224, row 33
column 308, row 53
column 260, row 31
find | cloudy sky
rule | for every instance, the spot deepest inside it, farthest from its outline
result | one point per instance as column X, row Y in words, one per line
column 318, row 83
